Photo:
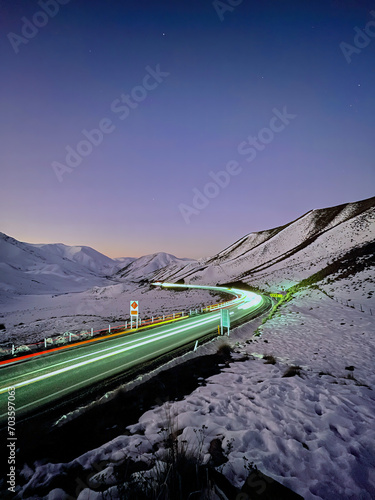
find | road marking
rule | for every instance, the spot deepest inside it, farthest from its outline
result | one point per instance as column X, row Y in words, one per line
column 176, row 329
column 100, row 375
column 144, row 341
column 83, row 342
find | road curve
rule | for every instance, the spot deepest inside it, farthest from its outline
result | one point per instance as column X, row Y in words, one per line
column 42, row 380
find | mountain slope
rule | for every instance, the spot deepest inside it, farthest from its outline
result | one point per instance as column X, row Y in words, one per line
column 272, row 260
column 283, row 256
column 146, row 266
column 37, row 269
column 27, row 268
column 84, row 256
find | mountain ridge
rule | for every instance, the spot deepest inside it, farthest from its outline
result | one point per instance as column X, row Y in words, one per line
column 293, row 246
column 276, row 257
column 42, row 268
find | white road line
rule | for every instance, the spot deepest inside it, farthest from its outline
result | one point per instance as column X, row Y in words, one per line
column 103, row 356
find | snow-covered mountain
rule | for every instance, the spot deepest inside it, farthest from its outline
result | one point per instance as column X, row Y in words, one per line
column 329, row 241
column 27, row 268
column 146, row 266
column 123, row 261
column 336, row 242
column 33, row 269
column 85, row 256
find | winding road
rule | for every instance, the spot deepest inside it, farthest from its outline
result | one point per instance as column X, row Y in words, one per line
column 40, row 381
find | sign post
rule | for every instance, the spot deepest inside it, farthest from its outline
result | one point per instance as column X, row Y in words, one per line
column 224, row 321
column 134, row 313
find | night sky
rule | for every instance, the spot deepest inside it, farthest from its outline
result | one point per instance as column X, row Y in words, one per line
column 277, row 94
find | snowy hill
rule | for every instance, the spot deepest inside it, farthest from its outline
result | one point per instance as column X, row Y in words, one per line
column 145, row 266
column 326, row 241
column 33, row 269
column 84, row 256
column 281, row 257
column 38, row 269
column 123, row 261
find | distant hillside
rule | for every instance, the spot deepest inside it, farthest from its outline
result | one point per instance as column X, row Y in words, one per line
column 38, row 269
column 87, row 257
column 32, row 269
column 144, row 267
column 325, row 245
column 281, row 257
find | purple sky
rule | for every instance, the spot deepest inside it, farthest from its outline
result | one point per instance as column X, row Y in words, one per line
column 220, row 82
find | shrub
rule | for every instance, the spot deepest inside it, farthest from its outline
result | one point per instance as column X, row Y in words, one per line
column 269, row 359
column 292, row 371
column 225, row 350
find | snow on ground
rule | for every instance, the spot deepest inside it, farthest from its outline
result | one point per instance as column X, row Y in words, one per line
column 313, row 432
column 357, row 291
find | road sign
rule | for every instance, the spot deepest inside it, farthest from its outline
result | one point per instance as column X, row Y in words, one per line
column 134, row 307
column 224, row 320
column 134, row 312
column 276, row 295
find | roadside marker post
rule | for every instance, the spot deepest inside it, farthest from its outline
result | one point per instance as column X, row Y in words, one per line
column 196, row 345
column 224, row 321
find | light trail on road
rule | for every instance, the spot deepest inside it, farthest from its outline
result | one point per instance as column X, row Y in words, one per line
column 45, row 379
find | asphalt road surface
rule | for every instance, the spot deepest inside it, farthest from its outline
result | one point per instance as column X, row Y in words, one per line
column 41, row 380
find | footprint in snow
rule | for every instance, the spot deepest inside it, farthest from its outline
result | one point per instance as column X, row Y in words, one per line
column 318, row 410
